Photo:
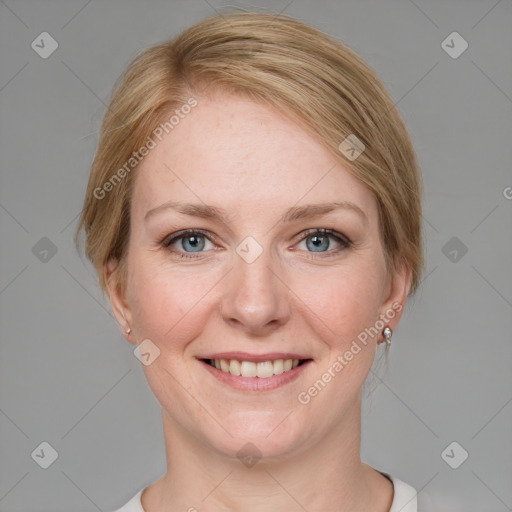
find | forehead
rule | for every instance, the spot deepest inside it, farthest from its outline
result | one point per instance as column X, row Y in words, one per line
column 232, row 152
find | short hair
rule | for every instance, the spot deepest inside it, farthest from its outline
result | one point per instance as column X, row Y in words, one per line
column 280, row 62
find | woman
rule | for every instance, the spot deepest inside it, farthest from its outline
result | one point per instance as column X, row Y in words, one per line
column 254, row 214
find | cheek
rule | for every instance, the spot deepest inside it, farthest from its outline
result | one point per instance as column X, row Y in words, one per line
column 345, row 302
column 166, row 303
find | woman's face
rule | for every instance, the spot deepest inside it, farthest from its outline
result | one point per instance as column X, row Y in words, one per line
column 256, row 281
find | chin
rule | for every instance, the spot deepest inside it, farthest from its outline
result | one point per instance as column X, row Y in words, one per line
column 261, row 436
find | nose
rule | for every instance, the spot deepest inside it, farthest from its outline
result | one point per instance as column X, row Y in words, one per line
column 256, row 299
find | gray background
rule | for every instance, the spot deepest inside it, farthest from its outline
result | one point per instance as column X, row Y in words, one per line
column 67, row 376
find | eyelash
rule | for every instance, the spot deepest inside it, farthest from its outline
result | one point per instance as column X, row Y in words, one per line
column 345, row 242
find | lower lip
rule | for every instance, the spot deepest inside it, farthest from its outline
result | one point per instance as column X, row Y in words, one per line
column 256, row 383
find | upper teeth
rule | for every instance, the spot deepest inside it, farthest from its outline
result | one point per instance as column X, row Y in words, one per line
column 250, row 369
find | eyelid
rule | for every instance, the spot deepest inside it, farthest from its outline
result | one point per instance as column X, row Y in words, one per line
column 343, row 240
column 169, row 239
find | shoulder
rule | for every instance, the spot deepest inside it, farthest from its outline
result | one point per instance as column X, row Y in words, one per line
column 134, row 505
column 405, row 497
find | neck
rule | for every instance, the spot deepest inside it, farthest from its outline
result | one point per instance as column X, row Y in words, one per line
column 200, row 479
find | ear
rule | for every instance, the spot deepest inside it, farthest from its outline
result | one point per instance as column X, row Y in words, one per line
column 116, row 294
column 397, row 291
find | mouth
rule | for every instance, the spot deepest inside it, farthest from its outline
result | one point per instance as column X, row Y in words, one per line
column 249, row 373
column 255, row 369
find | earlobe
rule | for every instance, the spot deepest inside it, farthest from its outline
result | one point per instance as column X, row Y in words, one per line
column 116, row 294
column 394, row 304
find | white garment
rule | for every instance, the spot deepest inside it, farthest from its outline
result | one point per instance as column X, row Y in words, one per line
column 404, row 499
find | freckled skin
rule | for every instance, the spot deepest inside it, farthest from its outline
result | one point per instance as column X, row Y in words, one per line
column 255, row 163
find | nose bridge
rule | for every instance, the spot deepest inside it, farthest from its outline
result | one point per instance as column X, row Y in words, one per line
column 256, row 300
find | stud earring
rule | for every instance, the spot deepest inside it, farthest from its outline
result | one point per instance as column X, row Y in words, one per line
column 387, row 335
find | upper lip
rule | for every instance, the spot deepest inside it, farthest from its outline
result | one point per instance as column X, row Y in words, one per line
column 255, row 358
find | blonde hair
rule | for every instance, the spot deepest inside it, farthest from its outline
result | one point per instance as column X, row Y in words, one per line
column 284, row 63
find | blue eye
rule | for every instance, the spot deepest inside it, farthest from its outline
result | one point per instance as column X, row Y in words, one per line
column 319, row 241
column 188, row 241
column 194, row 242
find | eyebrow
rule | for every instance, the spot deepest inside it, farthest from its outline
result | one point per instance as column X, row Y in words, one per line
column 292, row 214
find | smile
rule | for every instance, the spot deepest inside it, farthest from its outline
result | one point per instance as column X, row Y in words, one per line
column 262, row 369
column 263, row 373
